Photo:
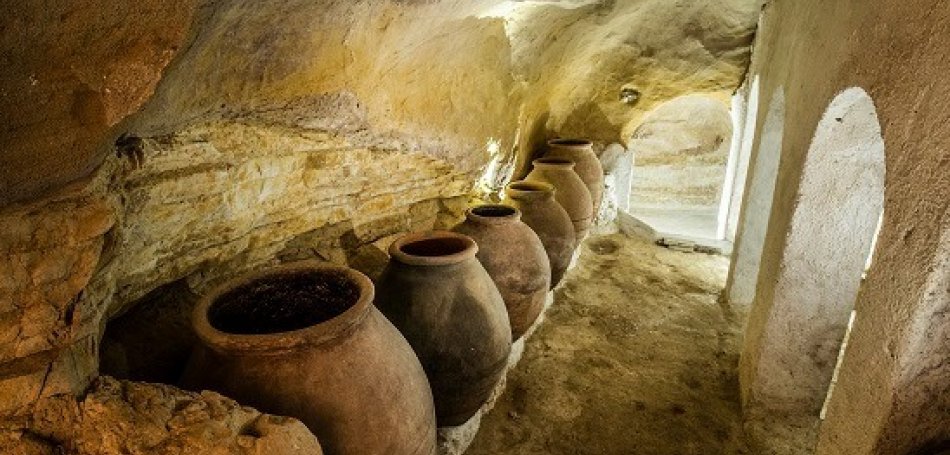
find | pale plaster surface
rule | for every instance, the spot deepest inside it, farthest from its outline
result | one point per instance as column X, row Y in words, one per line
column 757, row 205
column 898, row 53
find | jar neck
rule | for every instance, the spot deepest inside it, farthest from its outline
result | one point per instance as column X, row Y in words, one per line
column 493, row 214
column 553, row 164
column 529, row 191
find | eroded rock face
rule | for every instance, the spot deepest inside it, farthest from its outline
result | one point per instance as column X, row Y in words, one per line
column 71, row 71
column 578, row 57
column 257, row 132
column 206, row 204
column 121, row 417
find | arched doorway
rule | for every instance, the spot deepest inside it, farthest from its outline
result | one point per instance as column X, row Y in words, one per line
column 799, row 320
column 681, row 150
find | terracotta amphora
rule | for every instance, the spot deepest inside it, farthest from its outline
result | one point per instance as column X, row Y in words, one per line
column 539, row 210
column 514, row 258
column 586, row 164
column 304, row 340
column 441, row 298
column 570, row 191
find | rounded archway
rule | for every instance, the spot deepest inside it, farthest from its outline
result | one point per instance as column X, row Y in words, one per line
column 798, row 322
column 681, row 149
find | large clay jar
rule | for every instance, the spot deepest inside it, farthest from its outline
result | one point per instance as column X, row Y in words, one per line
column 586, row 164
column 514, row 258
column 539, row 210
column 304, row 340
column 442, row 299
column 570, row 191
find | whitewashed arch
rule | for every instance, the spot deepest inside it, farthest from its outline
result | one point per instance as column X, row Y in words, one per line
column 838, row 204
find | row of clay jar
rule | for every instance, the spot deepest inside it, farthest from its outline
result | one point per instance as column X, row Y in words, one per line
column 377, row 372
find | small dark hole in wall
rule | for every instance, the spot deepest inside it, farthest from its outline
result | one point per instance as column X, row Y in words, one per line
column 152, row 340
column 435, row 247
column 285, row 302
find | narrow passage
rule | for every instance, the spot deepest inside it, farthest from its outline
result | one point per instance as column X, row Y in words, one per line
column 637, row 356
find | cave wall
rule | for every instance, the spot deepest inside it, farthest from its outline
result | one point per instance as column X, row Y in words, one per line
column 891, row 395
column 72, row 71
column 185, row 141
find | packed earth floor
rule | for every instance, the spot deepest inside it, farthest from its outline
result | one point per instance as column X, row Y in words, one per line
column 637, row 356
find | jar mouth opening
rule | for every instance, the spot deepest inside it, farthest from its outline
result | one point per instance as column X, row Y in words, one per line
column 283, row 302
column 571, row 142
column 433, row 248
column 279, row 308
column 494, row 211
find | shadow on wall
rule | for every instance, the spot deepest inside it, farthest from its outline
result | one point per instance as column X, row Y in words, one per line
column 534, row 135
column 584, row 119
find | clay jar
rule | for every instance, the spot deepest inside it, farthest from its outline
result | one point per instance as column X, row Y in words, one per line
column 514, row 258
column 442, row 299
column 586, row 164
column 539, row 210
column 304, row 340
column 570, row 191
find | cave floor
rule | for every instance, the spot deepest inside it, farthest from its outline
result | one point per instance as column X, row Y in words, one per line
column 636, row 356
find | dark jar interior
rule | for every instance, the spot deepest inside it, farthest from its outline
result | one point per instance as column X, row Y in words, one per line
column 283, row 302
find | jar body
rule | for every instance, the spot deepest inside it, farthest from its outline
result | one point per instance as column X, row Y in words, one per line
column 571, row 193
column 553, row 226
column 516, row 261
column 360, row 389
column 455, row 319
column 586, row 164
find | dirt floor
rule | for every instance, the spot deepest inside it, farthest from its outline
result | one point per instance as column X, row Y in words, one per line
column 637, row 356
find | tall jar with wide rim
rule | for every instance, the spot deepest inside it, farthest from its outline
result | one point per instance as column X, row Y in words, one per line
column 445, row 303
column 304, row 340
column 514, row 257
column 571, row 192
column 586, row 164
column 548, row 219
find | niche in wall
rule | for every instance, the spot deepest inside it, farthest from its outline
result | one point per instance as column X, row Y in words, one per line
column 838, row 204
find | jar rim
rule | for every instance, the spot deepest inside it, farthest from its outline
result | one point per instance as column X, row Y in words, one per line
column 282, row 341
column 433, row 248
column 553, row 163
column 493, row 214
column 527, row 189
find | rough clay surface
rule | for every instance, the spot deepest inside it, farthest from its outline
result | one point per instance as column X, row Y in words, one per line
column 636, row 356
column 129, row 418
